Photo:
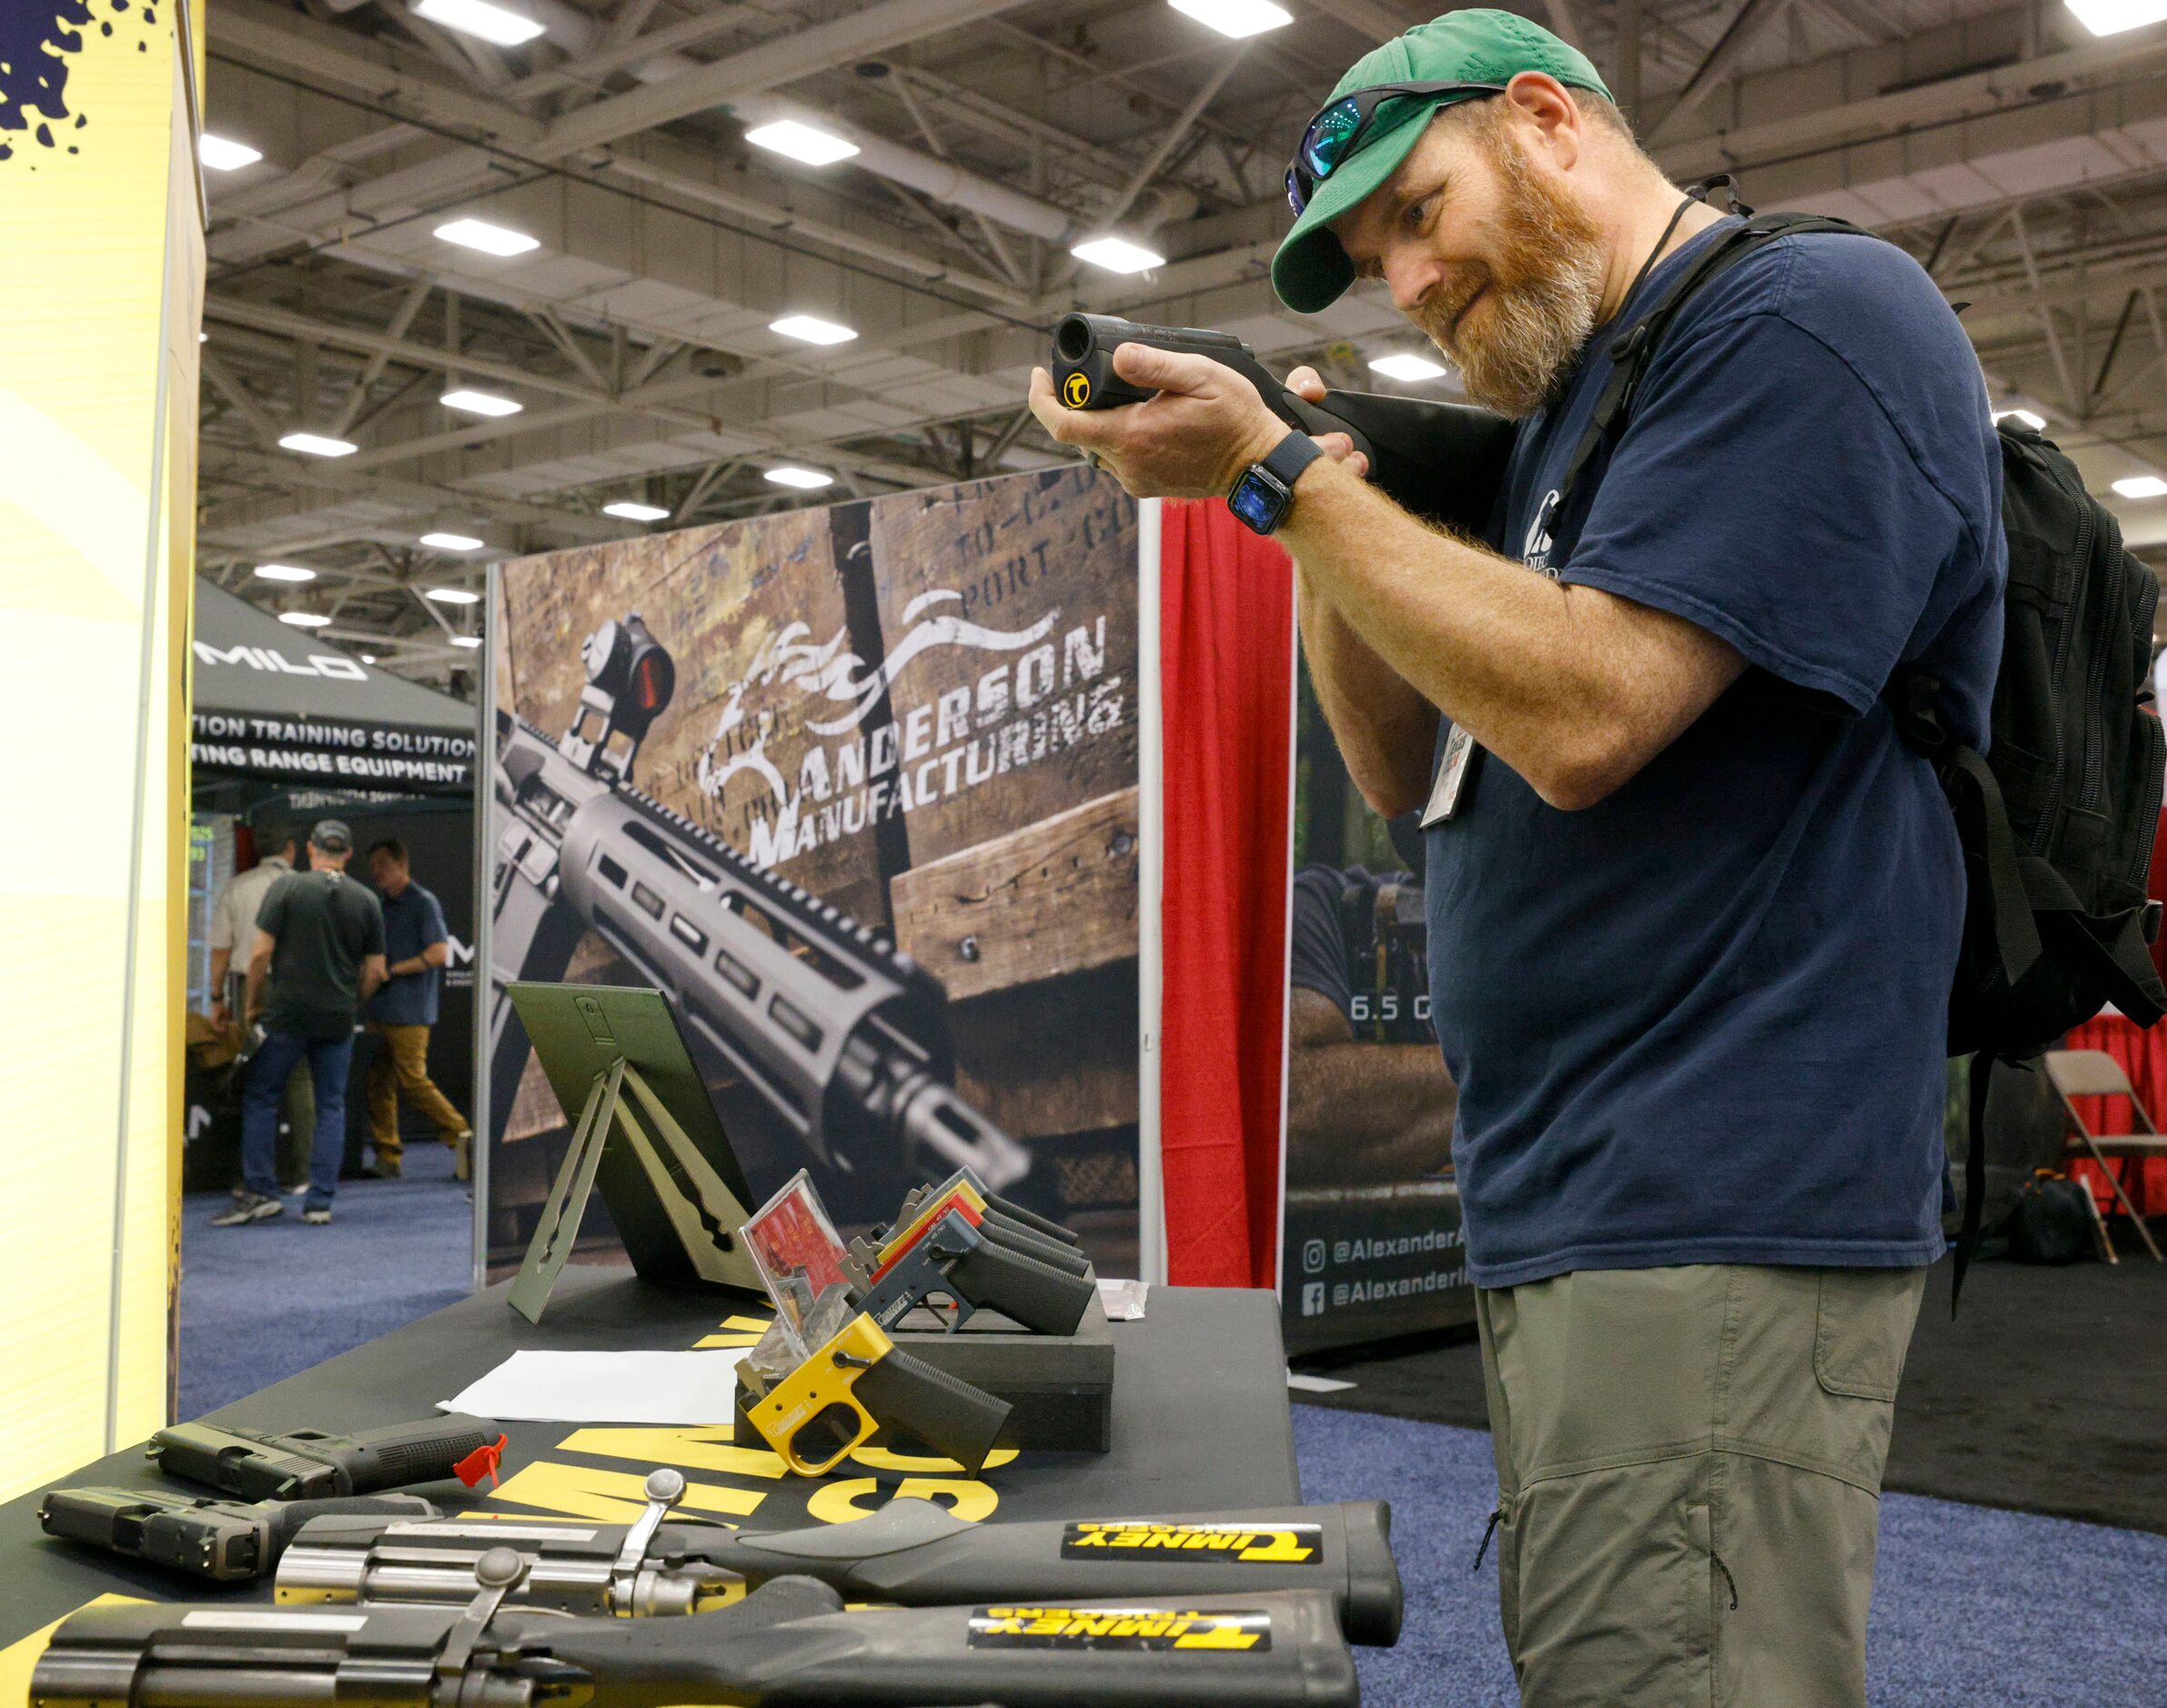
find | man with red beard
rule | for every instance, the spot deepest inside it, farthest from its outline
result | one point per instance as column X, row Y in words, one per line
column 1694, row 907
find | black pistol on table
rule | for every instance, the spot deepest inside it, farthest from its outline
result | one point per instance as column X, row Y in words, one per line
column 1441, row 460
column 231, row 1541
column 789, row 1644
column 316, row 1465
column 911, row 1552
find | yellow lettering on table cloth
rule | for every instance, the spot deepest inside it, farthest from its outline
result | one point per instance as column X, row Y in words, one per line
column 611, row 1497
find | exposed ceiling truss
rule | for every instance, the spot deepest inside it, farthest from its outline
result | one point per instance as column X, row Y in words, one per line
column 2021, row 160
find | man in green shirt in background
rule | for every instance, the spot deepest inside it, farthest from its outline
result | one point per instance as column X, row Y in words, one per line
column 319, row 947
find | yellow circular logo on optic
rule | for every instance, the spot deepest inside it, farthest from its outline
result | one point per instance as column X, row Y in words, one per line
column 1076, row 390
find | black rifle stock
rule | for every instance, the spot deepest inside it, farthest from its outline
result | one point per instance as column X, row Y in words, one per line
column 316, row 1465
column 913, row 1553
column 787, row 1645
column 842, row 1040
column 1444, row 461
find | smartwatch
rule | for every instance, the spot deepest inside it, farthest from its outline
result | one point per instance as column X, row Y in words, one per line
column 1262, row 497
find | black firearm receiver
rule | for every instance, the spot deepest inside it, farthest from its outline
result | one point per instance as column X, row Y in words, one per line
column 1444, row 461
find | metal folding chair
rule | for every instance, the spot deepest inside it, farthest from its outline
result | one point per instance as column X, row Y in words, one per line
column 2075, row 1073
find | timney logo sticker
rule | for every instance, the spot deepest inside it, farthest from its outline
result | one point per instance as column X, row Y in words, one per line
column 1273, row 1544
column 1153, row 1628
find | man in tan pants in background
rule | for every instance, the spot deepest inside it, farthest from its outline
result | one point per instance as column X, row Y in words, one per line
column 417, row 945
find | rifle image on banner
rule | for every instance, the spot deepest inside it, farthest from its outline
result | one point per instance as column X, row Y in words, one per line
column 787, row 1645
column 1444, row 461
column 911, row 1552
column 844, row 1041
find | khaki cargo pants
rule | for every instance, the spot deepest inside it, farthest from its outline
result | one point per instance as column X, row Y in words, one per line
column 400, row 1068
column 1690, row 1471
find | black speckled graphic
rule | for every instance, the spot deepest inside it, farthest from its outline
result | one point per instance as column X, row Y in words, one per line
column 37, row 40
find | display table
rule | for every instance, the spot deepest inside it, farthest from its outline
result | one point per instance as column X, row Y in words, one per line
column 1200, row 1421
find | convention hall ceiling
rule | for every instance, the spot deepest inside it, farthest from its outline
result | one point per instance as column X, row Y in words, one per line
column 658, row 243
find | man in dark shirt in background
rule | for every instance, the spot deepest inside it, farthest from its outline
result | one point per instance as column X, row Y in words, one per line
column 320, row 948
column 417, row 944
column 1359, row 1113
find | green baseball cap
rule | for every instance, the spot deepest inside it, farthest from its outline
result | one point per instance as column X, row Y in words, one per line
column 1477, row 45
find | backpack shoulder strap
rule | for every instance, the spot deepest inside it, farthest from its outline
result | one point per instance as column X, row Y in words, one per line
column 1630, row 350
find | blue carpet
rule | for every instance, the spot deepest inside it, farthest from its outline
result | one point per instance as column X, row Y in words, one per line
column 1970, row 1604
column 263, row 1302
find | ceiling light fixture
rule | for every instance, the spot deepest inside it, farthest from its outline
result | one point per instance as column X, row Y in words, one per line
column 801, row 143
column 316, row 444
column 2032, row 419
column 222, row 153
column 632, row 512
column 478, row 233
column 1407, row 368
column 499, row 25
column 2141, row 487
column 465, row 640
column 451, row 595
column 304, row 619
column 2110, row 17
column 451, row 542
column 1118, row 255
column 480, row 402
column 284, row 572
column 1237, row 18
column 812, row 330
column 804, row 479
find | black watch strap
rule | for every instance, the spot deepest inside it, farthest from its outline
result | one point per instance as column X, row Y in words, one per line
column 1291, row 456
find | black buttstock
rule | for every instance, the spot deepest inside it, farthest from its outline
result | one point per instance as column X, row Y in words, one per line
column 784, row 1646
column 916, row 1553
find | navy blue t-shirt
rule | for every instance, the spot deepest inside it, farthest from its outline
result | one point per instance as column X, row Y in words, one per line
column 1702, row 1021
column 413, row 920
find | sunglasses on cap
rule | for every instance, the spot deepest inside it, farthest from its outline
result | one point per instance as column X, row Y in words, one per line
column 1334, row 134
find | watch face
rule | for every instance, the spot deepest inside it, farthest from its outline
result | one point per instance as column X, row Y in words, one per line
column 1255, row 503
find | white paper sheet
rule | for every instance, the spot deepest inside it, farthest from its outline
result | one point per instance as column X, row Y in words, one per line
column 606, row 1388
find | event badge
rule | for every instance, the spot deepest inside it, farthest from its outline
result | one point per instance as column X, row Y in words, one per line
column 1460, row 754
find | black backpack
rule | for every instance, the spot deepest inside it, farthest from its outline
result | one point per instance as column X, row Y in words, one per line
column 2058, row 824
column 2053, row 1221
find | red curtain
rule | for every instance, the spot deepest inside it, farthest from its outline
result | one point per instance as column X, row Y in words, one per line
column 2143, row 1057
column 1226, row 652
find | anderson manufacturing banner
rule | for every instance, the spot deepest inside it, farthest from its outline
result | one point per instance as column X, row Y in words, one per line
column 895, row 736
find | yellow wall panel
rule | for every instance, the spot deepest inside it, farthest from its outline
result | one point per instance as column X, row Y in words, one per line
column 99, row 305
